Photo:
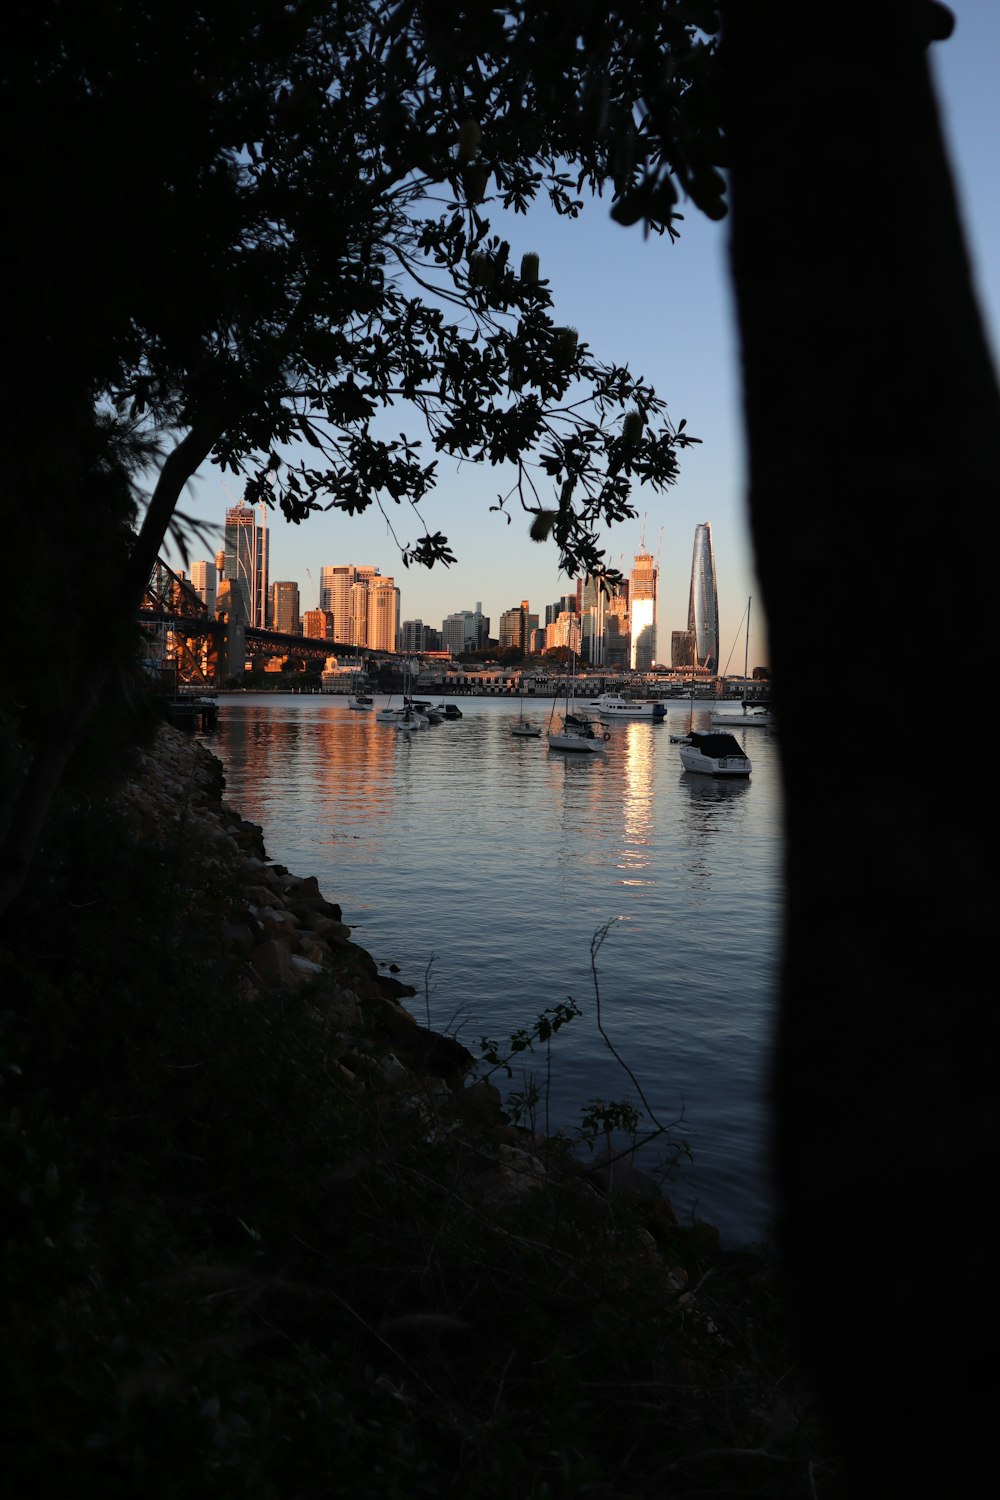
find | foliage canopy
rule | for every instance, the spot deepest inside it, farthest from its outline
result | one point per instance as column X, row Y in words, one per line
column 266, row 224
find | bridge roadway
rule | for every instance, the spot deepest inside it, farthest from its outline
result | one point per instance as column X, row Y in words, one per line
column 275, row 642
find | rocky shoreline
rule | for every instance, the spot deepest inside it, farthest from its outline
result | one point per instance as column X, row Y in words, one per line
column 283, row 934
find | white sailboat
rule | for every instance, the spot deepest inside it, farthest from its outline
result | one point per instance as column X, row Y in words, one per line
column 359, row 700
column 752, row 715
column 522, row 728
column 578, row 736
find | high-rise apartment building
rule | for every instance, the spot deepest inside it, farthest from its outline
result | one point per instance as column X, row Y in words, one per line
column 642, row 601
column 703, row 602
column 245, row 562
column 382, row 620
column 285, row 608
column 359, row 599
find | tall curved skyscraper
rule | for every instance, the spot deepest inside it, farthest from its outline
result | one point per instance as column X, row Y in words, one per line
column 703, row 601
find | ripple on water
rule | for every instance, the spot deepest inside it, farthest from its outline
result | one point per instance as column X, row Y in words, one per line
column 500, row 859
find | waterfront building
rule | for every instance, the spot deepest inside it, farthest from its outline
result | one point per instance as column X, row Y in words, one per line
column 642, row 611
column 285, row 608
column 245, row 561
column 465, row 630
column 703, row 601
column 204, row 580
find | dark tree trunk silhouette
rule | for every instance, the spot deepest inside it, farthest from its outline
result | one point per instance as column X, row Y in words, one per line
column 60, row 737
column 873, row 424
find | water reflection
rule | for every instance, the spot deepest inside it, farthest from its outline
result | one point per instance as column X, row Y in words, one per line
column 502, row 860
column 634, row 858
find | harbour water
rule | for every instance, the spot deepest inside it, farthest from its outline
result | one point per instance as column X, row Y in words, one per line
column 483, row 865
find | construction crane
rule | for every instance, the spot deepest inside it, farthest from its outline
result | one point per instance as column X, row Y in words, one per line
column 313, row 582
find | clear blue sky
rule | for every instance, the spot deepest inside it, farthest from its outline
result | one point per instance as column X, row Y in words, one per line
column 665, row 311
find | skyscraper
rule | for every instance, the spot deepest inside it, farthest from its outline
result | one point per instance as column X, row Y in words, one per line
column 642, row 600
column 382, row 621
column 246, row 562
column 203, row 579
column 703, row 602
column 364, row 605
column 285, row 608
column 465, row 630
column 516, row 626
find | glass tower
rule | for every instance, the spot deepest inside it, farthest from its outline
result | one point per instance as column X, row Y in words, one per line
column 703, row 603
column 246, row 561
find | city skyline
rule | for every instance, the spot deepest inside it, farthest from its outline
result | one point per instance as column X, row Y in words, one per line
column 665, row 310
column 357, row 594
column 359, row 606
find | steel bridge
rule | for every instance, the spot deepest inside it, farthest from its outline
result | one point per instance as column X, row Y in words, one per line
column 204, row 649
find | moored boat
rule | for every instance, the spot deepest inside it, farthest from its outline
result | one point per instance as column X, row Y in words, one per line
column 617, row 706
column 712, row 753
column 579, row 735
column 748, row 718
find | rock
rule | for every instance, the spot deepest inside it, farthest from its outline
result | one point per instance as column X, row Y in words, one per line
column 272, row 962
column 304, row 968
column 237, row 938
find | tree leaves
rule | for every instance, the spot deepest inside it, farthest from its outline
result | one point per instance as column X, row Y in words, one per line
column 263, row 258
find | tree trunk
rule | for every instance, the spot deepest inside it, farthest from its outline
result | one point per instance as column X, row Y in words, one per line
column 60, row 736
column 873, row 424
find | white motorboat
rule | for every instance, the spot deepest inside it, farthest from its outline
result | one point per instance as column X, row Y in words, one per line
column 749, row 718
column 711, row 752
column 360, row 701
column 616, row 706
